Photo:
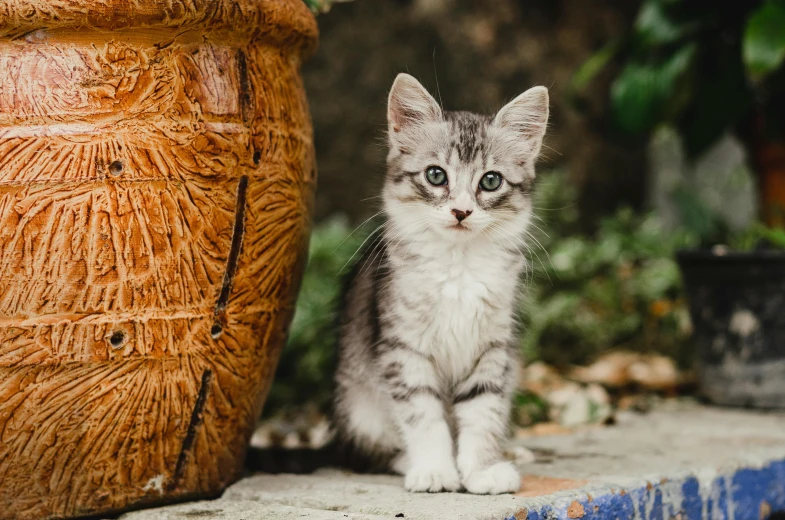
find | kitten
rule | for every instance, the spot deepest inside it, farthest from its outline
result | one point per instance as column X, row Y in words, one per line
column 427, row 341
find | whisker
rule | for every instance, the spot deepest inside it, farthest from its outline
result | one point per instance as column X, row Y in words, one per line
column 528, row 272
column 360, row 247
column 528, row 234
column 538, row 228
column 377, row 249
column 357, row 228
column 531, row 251
column 493, row 227
column 541, row 208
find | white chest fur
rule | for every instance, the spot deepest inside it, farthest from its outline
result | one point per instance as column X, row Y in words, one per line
column 452, row 302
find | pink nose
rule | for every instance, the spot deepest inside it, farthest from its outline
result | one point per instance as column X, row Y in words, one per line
column 460, row 215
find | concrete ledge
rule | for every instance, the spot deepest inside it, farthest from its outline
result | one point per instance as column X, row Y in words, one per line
column 682, row 461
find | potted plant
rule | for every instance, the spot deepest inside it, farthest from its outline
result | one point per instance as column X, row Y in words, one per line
column 156, row 183
column 706, row 69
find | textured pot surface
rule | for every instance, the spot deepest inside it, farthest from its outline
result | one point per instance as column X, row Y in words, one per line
column 156, row 178
column 737, row 304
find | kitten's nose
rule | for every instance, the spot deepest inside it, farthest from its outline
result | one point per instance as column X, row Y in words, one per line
column 460, row 215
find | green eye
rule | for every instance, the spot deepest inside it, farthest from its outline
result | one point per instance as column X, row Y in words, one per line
column 436, row 176
column 491, row 181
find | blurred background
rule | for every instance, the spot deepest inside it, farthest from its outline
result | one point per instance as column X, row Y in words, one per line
column 666, row 133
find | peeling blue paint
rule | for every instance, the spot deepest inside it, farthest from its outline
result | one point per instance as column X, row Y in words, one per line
column 737, row 495
column 692, row 504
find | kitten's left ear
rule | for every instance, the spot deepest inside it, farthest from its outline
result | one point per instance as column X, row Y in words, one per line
column 410, row 105
column 527, row 116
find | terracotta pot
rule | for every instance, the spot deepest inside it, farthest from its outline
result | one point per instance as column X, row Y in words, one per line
column 156, row 178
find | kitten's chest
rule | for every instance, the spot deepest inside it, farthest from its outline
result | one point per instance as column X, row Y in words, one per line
column 452, row 306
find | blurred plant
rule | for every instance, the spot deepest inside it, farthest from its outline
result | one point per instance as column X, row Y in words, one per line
column 707, row 229
column 530, row 408
column 702, row 66
column 758, row 236
column 617, row 289
column 322, row 6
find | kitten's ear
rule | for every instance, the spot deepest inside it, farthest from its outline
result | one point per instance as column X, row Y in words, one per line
column 527, row 116
column 410, row 105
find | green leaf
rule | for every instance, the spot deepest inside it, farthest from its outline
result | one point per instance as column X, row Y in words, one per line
column 313, row 5
column 756, row 236
column 654, row 27
column 774, row 236
column 635, row 98
column 656, row 279
column 641, row 93
column 591, row 67
column 764, row 40
column 321, row 6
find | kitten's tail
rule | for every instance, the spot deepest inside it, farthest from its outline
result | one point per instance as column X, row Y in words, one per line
column 280, row 459
column 305, row 460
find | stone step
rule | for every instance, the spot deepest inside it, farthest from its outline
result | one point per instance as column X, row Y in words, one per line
column 681, row 461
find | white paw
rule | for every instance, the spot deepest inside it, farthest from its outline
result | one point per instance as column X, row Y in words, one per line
column 433, row 478
column 493, row 480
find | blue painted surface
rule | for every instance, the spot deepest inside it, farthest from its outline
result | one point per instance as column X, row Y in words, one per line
column 734, row 496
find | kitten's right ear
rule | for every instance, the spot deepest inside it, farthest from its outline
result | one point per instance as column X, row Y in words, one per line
column 410, row 105
column 526, row 117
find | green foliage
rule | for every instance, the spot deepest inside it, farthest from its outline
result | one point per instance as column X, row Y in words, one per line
column 642, row 92
column 706, row 229
column 756, row 237
column 593, row 66
column 701, row 66
column 764, row 39
column 703, row 223
column 655, row 25
column 618, row 288
column 321, row 6
column 530, row 408
column 621, row 287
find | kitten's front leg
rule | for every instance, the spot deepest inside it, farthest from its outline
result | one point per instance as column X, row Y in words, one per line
column 428, row 461
column 482, row 410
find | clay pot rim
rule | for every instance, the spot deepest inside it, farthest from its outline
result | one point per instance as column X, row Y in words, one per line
column 286, row 22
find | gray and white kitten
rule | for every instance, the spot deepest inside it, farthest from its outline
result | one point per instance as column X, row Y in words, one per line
column 427, row 342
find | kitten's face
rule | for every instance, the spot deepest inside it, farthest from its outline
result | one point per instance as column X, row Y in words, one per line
column 457, row 175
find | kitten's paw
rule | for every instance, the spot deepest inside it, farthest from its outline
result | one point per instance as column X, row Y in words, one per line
column 432, row 478
column 493, row 480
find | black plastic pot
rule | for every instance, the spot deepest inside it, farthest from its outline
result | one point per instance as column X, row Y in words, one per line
column 737, row 304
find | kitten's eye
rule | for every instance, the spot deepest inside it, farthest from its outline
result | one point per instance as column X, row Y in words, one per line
column 436, row 175
column 491, row 181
